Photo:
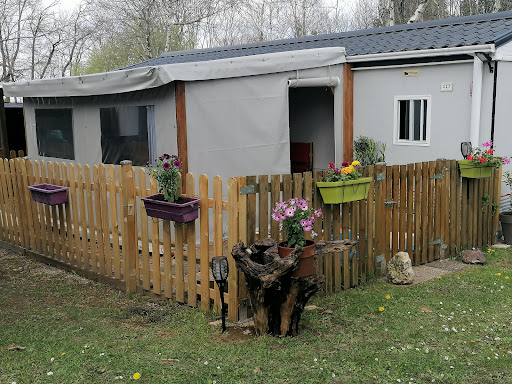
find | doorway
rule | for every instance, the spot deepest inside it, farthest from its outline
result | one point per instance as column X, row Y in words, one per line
column 311, row 128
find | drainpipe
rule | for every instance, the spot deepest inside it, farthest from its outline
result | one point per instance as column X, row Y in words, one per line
column 476, row 102
column 493, row 115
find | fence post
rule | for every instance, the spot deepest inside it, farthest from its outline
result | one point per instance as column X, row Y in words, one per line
column 130, row 251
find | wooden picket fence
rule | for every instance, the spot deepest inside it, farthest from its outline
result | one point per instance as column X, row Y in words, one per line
column 103, row 231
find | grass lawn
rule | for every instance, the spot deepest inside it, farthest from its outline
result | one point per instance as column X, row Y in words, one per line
column 73, row 331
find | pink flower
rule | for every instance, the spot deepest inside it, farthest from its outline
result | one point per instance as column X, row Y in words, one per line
column 506, row 160
column 313, row 235
column 488, row 144
column 303, row 222
column 177, row 163
column 166, row 166
column 282, row 216
column 308, row 228
column 290, row 211
column 318, row 213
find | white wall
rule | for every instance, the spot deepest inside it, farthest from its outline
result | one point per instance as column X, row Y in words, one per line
column 374, row 92
column 503, row 122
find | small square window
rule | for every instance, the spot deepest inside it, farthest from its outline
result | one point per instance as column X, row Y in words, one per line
column 412, row 120
column 54, row 132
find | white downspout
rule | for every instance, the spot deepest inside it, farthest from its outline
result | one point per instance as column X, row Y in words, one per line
column 476, row 102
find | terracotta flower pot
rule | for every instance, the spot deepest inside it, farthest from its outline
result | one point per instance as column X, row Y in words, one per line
column 306, row 265
column 185, row 209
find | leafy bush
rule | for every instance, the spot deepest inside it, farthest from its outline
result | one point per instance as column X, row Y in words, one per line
column 368, row 151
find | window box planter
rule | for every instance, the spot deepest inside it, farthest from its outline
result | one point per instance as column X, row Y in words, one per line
column 185, row 209
column 49, row 194
column 344, row 191
column 306, row 264
column 471, row 170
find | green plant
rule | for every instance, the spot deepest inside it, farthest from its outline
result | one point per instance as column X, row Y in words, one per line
column 167, row 172
column 297, row 219
column 346, row 172
column 368, row 151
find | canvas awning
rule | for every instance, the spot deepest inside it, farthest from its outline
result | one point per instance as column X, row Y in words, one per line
column 129, row 80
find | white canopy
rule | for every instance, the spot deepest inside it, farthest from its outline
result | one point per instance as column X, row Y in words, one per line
column 137, row 79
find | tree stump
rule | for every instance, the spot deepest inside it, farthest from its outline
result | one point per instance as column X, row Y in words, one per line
column 277, row 298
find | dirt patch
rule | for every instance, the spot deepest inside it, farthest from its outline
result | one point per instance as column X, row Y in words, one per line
column 435, row 269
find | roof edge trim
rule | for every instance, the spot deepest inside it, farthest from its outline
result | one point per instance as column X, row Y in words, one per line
column 470, row 49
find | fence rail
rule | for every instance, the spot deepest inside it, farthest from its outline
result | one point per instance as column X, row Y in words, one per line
column 425, row 209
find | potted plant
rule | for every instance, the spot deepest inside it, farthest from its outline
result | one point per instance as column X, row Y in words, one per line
column 49, row 194
column 480, row 163
column 344, row 184
column 506, row 217
column 168, row 204
column 297, row 219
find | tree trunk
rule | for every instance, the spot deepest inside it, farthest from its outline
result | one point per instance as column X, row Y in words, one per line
column 277, row 298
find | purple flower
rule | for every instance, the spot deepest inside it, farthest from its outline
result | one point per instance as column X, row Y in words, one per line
column 282, row 216
column 165, row 155
column 162, row 157
column 275, row 217
column 303, row 222
column 318, row 213
column 166, row 166
column 488, row 144
column 506, row 160
column 177, row 163
column 308, row 228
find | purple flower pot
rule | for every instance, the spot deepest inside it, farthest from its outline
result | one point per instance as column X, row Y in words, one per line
column 49, row 194
column 185, row 209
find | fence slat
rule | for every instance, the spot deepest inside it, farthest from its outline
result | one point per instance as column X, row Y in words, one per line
column 155, row 244
column 16, row 202
column 232, row 240
column 353, row 235
column 144, row 234
column 275, row 196
column 7, row 206
column 33, row 206
column 370, row 223
column 73, row 196
column 217, row 232
column 251, row 211
column 327, row 257
column 92, row 246
column 98, row 228
column 263, row 206
column 417, row 214
column 107, row 252
column 345, row 225
column 402, row 219
column 22, row 190
column 395, row 209
column 179, row 261
column 410, row 208
column 205, row 238
column 190, row 229
column 336, row 227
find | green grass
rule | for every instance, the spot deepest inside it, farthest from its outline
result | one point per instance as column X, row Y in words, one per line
column 95, row 334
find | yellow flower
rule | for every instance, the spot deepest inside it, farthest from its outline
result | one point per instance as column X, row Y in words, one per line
column 438, row 277
column 388, row 297
column 472, row 341
column 345, row 170
column 498, row 274
column 381, row 309
column 351, row 168
column 458, row 278
column 506, row 277
column 63, row 353
column 129, row 346
column 355, row 162
column 136, row 376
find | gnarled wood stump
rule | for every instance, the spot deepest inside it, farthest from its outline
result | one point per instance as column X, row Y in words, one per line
column 277, row 298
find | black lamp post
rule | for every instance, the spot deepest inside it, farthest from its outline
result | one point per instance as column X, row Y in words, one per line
column 465, row 148
column 220, row 270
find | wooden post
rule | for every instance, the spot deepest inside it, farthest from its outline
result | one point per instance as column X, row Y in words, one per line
column 130, row 251
column 181, row 127
column 348, row 113
column 3, row 125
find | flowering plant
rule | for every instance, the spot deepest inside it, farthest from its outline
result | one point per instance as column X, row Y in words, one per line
column 346, row 172
column 167, row 172
column 486, row 156
column 297, row 219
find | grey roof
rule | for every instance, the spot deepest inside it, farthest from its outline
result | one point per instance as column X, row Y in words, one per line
column 493, row 28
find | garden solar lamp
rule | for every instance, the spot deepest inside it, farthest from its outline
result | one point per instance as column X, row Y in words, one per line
column 465, row 149
column 220, row 270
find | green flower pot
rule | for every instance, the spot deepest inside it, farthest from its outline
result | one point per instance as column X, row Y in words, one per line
column 475, row 171
column 338, row 192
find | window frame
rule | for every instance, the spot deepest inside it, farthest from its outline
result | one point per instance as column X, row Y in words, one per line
column 396, row 121
column 38, row 141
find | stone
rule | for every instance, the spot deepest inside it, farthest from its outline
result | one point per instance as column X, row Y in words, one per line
column 400, row 269
column 501, row 246
column 473, row 256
